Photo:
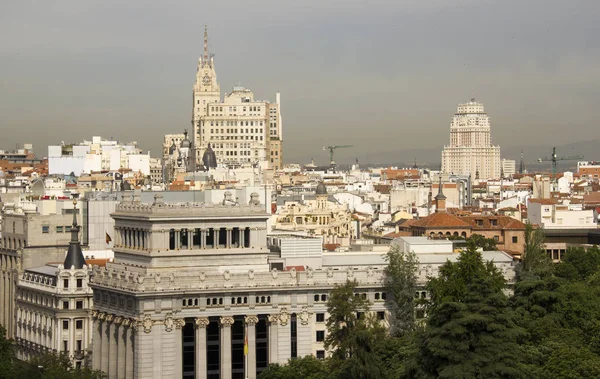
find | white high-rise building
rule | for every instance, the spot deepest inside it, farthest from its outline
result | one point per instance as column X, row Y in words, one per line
column 471, row 151
column 239, row 129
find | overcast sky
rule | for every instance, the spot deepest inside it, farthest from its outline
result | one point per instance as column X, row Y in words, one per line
column 384, row 76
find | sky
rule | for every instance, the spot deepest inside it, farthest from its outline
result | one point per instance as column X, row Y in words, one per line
column 382, row 75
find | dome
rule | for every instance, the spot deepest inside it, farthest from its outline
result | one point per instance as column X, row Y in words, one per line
column 321, row 189
column 209, row 158
column 186, row 143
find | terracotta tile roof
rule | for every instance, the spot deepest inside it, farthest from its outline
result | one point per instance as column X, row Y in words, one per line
column 383, row 188
column 441, row 220
column 331, row 246
column 402, row 233
column 502, row 222
column 543, row 201
column 96, row 262
column 298, row 268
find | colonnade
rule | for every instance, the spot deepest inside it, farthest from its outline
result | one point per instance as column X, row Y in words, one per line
column 113, row 343
column 132, row 238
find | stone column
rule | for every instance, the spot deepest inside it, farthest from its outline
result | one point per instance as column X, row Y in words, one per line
column 251, row 322
column 129, row 343
column 203, row 238
column 112, row 349
column 201, row 323
column 118, row 321
column 190, row 236
column 96, row 342
column 226, row 323
column 104, row 330
column 241, row 237
column 228, row 231
column 179, row 324
column 177, row 239
column 216, row 237
column 272, row 321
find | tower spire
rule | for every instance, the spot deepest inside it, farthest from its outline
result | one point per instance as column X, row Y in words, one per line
column 205, row 44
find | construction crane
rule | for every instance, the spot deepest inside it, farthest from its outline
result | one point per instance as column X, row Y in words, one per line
column 331, row 149
column 554, row 158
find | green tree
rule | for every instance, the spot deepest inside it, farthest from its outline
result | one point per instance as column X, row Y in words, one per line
column 579, row 264
column 401, row 278
column 6, row 355
column 470, row 332
column 536, row 263
column 487, row 244
column 59, row 366
column 306, row 367
column 344, row 307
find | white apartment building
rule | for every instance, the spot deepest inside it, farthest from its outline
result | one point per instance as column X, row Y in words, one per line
column 95, row 156
column 240, row 129
column 470, row 151
column 552, row 215
column 508, row 167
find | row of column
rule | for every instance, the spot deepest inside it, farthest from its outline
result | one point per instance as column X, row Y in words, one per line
column 226, row 322
column 113, row 343
column 132, row 238
column 176, row 235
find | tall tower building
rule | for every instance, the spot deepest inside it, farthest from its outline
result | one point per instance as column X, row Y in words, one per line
column 239, row 129
column 470, row 150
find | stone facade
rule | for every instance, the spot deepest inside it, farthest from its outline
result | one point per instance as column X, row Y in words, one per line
column 240, row 129
column 470, row 151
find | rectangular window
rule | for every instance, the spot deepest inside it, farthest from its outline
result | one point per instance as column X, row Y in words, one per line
column 59, row 229
column 45, row 229
column 320, row 317
column 68, row 228
column 320, row 335
column 65, row 305
column 65, row 345
column 65, row 283
column 496, row 238
column 320, row 354
column 79, row 324
column 381, row 315
column 79, row 283
column 78, row 345
column 65, row 324
column 79, row 304
column 515, row 239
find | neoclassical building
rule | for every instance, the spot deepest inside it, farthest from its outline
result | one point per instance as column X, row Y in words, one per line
column 470, row 151
column 52, row 306
column 240, row 129
column 192, row 281
column 319, row 217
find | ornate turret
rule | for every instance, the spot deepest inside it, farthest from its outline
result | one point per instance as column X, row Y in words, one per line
column 74, row 256
column 209, row 159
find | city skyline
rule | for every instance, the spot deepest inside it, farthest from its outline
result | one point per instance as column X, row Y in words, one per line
column 76, row 70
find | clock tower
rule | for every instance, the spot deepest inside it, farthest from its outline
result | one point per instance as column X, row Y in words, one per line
column 206, row 91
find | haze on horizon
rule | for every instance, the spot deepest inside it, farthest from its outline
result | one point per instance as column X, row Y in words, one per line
column 381, row 75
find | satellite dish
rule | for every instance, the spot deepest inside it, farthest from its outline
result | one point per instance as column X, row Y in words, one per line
column 37, row 188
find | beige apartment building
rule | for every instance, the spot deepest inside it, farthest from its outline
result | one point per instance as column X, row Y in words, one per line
column 470, row 151
column 240, row 129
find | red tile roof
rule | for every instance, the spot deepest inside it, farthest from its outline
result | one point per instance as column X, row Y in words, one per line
column 441, row 220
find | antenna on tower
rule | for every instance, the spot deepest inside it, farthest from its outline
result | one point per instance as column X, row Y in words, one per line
column 205, row 44
column 522, row 164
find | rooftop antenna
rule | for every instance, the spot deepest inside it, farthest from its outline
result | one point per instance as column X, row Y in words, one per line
column 205, row 44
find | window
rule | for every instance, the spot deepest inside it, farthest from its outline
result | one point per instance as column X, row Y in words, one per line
column 79, row 283
column 65, row 305
column 515, row 239
column 79, row 304
column 496, row 238
column 320, row 317
column 79, row 324
column 45, row 229
column 381, row 315
column 65, row 345
column 78, row 345
column 320, row 335
column 65, row 324
column 320, row 354
column 66, row 283
column 59, row 229
column 68, row 228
